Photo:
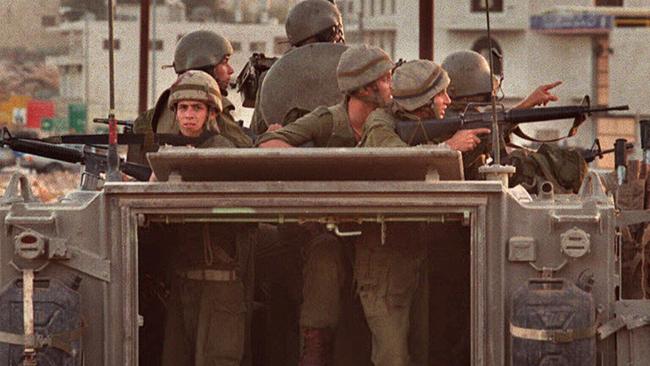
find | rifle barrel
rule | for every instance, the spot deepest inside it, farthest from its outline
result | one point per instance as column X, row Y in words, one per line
column 52, row 151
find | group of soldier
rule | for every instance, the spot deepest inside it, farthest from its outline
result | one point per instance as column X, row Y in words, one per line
column 208, row 317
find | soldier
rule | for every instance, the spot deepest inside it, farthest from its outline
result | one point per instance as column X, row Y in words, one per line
column 206, row 318
column 364, row 76
column 308, row 22
column 471, row 82
column 199, row 50
column 392, row 276
column 419, row 92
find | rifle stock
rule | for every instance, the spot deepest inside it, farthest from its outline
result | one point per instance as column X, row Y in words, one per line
column 420, row 132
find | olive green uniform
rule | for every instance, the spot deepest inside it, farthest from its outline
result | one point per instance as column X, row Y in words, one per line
column 323, row 271
column 392, row 277
column 324, row 127
column 208, row 319
column 161, row 119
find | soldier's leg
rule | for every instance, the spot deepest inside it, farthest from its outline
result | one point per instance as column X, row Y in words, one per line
column 419, row 321
column 323, row 281
column 180, row 323
column 387, row 277
column 221, row 328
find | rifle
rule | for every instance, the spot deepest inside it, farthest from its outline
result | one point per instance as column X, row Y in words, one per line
column 597, row 152
column 420, row 132
column 250, row 78
column 94, row 161
column 128, row 125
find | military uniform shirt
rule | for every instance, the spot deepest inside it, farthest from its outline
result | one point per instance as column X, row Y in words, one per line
column 161, row 119
column 379, row 130
column 324, row 126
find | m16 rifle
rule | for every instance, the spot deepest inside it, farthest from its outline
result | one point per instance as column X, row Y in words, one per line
column 126, row 124
column 91, row 157
column 250, row 78
column 420, row 132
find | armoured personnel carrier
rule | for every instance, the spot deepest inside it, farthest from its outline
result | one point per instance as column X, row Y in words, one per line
column 514, row 279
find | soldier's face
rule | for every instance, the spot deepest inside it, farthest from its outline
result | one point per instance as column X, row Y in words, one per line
column 440, row 103
column 192, row 116
column 223, row 72
column 383, row 88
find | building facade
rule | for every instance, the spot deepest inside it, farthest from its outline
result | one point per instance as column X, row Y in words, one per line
column 83, row 69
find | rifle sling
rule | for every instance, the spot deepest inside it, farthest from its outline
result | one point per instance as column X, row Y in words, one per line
column 572, row 132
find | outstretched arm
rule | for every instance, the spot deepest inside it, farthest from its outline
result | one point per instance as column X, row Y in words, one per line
column 540, row 96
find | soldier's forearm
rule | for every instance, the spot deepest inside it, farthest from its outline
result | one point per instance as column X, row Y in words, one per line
column 274, row 143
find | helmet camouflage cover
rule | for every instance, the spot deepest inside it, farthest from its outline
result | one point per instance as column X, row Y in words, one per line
column 416, row 82
column 470, row 75
column 196, row 85
column 309, row 18
column 199, row 49
column 360, row 66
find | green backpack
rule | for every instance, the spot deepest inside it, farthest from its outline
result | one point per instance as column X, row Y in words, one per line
column 565, row 168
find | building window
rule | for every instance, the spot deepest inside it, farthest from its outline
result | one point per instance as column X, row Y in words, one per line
column 116, row 44
column 158, row 44
column 609, row 2
column 257, row 47
column 48, row 21
column 236, row 46
column 372, row 8
column 479, row 5
column 482, row 46
column 392, row 6
column 382, row 10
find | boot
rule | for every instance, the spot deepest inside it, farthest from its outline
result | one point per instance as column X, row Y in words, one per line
column 317, row 345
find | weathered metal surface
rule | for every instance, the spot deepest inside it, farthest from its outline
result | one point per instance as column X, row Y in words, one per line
column 510, row 234
column 283, row 88
column 307, row 164
column 633, row 341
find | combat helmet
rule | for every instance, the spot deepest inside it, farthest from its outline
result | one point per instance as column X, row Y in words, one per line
column 470, row 76
column 360, row 66
column 312, row 18
column 416, row 82
column 200, row 49
column 196, row 85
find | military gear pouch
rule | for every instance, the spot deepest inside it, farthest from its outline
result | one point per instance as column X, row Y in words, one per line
column 565, row 168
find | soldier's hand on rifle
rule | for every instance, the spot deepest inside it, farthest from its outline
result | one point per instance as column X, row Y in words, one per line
column 540, row 96
column 466, row 140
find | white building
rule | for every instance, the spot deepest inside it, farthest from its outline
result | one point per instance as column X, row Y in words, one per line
column 84, row 69
column 594, row 50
